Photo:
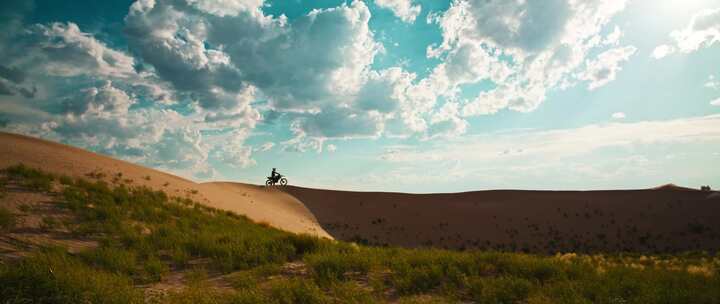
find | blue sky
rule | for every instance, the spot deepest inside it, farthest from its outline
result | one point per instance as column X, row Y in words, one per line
column 388, row 95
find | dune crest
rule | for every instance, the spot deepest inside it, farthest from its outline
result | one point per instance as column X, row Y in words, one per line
column 673, row 187
column 260, row 204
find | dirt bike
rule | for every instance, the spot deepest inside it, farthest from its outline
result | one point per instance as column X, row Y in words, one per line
column 280, row 179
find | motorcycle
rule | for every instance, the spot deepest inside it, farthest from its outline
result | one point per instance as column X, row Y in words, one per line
column 280, row 179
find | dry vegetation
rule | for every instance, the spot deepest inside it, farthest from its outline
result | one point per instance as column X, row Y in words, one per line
column 154, row 248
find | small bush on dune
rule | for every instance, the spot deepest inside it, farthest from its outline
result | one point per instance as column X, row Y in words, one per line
column 532, row 267
column 296, row 291
column 8, row 220
column 204, row 295
column 304, row 244
column 424, row 299
column 3, row 183
column 421, row 271
column 249, row 297
column 351, row 292
column 114, row 260
column 30, row 177
column 331, row 266
column 500, row 290
column 65, row 180
column 49, row 223
column 153, row 269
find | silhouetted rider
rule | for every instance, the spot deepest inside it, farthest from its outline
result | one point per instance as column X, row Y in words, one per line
column 274, row 175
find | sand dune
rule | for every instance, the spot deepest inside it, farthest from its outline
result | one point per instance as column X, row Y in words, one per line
column 667, row 219
column 663, row 219
column 258, row 203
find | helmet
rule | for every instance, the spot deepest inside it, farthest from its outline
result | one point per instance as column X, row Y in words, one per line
column 274, row 169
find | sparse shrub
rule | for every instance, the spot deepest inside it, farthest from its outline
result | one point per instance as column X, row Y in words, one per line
column 303, row 243
column 30, row 177
column 242, row 279
column 423, row 299
column 201, row 294
column 25, row 208
column 49, row 223
column 249, row 296
column 8, row 220
column 351, row 292
column 114, row 260
column 296, row 291
column 3, row 184
column 332, row 266
column 196, row 276
column 500, row 290
column 154, row 269
column 65, row 180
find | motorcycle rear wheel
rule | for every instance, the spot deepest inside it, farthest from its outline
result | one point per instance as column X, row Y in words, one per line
column 268, row 183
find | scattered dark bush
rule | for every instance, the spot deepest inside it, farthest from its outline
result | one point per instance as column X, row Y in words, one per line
column 8, row 220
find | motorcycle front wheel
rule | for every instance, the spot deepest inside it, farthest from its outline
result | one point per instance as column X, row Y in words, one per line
column 283, row 181
column 268, row 183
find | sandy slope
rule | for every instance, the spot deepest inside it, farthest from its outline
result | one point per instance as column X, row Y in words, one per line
column 258, row 203
column 659, row 220
column 663, row 219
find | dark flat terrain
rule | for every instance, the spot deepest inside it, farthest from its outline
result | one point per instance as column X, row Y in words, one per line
column 666, row 219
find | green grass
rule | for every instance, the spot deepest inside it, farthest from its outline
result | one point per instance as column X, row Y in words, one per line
column 143, row 235
column 52, row 276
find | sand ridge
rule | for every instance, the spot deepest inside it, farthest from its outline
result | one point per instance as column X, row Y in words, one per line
column 258, row 203
column 667, row 219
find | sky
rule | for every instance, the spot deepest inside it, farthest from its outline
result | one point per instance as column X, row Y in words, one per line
column 381, row 95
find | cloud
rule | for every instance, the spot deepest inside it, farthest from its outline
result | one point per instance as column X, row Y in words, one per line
column 618, row 115
column 12, row 74
column 614, row 37
column 565, row 143
column 104, row 100
column 615, row 154
column 315, row 68
column 604, row 69
column 233, row 152
column 403, row 9
column 88, row 94
column 265, row 147
column 715, row 102
column 663, row 51
column 524, row 48
column 712, row 83
column 447, row 122
column 66, row 51
column 702, row 31
column 224, row 8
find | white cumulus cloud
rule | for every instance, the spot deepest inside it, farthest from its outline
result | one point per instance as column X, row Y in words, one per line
column 702, row 31
column 525, row 48
column 403, row 9
column 605, row 67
